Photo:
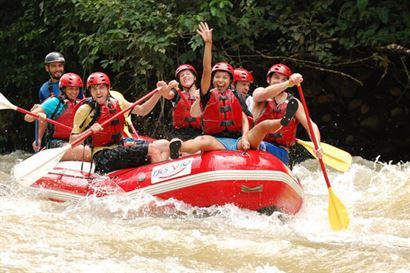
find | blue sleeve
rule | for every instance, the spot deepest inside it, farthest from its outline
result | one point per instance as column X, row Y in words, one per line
column 56, row 89
column 41, row 95
column 49, row 106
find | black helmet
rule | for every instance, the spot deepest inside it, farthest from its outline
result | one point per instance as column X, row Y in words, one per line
column 54, row 57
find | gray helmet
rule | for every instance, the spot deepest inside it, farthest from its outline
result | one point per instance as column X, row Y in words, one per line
column 54, row 57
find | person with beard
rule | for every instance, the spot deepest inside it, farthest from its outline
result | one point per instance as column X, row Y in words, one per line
column 54, row 64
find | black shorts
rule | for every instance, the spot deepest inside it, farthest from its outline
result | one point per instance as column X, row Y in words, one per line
column 121, row 157
column 56, row 143
column 186, row 133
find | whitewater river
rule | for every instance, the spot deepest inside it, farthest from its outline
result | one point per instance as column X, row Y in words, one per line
column 122, row 235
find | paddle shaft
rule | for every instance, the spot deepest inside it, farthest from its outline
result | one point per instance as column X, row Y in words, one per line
column 89, row 133
column 36, row 132
column 24, row 111
column 312, row 133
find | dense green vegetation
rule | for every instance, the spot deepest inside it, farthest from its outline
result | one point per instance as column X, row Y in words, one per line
column 354, row 46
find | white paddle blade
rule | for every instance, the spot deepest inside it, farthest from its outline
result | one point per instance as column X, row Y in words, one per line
column 33, row 168
column 5, row 104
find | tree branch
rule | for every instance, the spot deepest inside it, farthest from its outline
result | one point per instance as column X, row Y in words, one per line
column 336, row 72
column 396, row 49
column 406, row 70
column 314, row 65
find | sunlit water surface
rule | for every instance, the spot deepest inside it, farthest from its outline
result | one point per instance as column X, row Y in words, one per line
column 143, row 234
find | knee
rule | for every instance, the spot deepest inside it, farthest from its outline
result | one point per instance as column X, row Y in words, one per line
column 161, row 144
column 269, row 124
column 203, row 141
column 200, row 138
column 154, row 153
column 152, row 149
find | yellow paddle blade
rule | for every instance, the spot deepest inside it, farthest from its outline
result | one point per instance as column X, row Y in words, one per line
column 333, row 157
column 126, row 128
column 338, row 216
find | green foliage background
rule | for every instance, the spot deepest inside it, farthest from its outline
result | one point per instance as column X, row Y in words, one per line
column 137, row 42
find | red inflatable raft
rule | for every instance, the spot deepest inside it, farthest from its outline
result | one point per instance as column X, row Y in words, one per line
column 253, row 180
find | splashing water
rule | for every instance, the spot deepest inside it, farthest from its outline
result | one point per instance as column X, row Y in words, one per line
column 144, row 234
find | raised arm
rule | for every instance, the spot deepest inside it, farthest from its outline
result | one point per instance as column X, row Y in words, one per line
column 145, row 108
column 169, row 93
column 262, row 94
column 206, row 35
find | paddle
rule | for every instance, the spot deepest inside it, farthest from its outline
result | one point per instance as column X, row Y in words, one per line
column 33, row 168
column 337, row 213
column 5, row 104
column 128, row 121
column 36, row 132
column 334, row 157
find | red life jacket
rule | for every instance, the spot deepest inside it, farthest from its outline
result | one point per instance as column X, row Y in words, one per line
column 250, row 121
column 112, row 132
column 223, row 113
column 66, row 118
column 181, row 117
column 286, row 136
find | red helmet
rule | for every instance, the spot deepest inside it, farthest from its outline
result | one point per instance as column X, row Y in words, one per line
column 223, row 67
column 70, row 79
column 279, row 68
column 98, row 78
column 183, row 67
column 241, row 74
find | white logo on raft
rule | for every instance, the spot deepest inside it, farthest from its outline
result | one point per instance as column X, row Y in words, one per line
column 171, row 170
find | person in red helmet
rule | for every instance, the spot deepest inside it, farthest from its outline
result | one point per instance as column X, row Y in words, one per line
column 242, row 82
column 224, row 123
column 109, row 151
column 61, row 108
column 185, row 126
column 241, row 85
column 271, row 102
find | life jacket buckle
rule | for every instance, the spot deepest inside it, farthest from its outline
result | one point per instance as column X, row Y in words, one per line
column 276, row 135
column 115, row 122
column 225, row 109
column 227, row 123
